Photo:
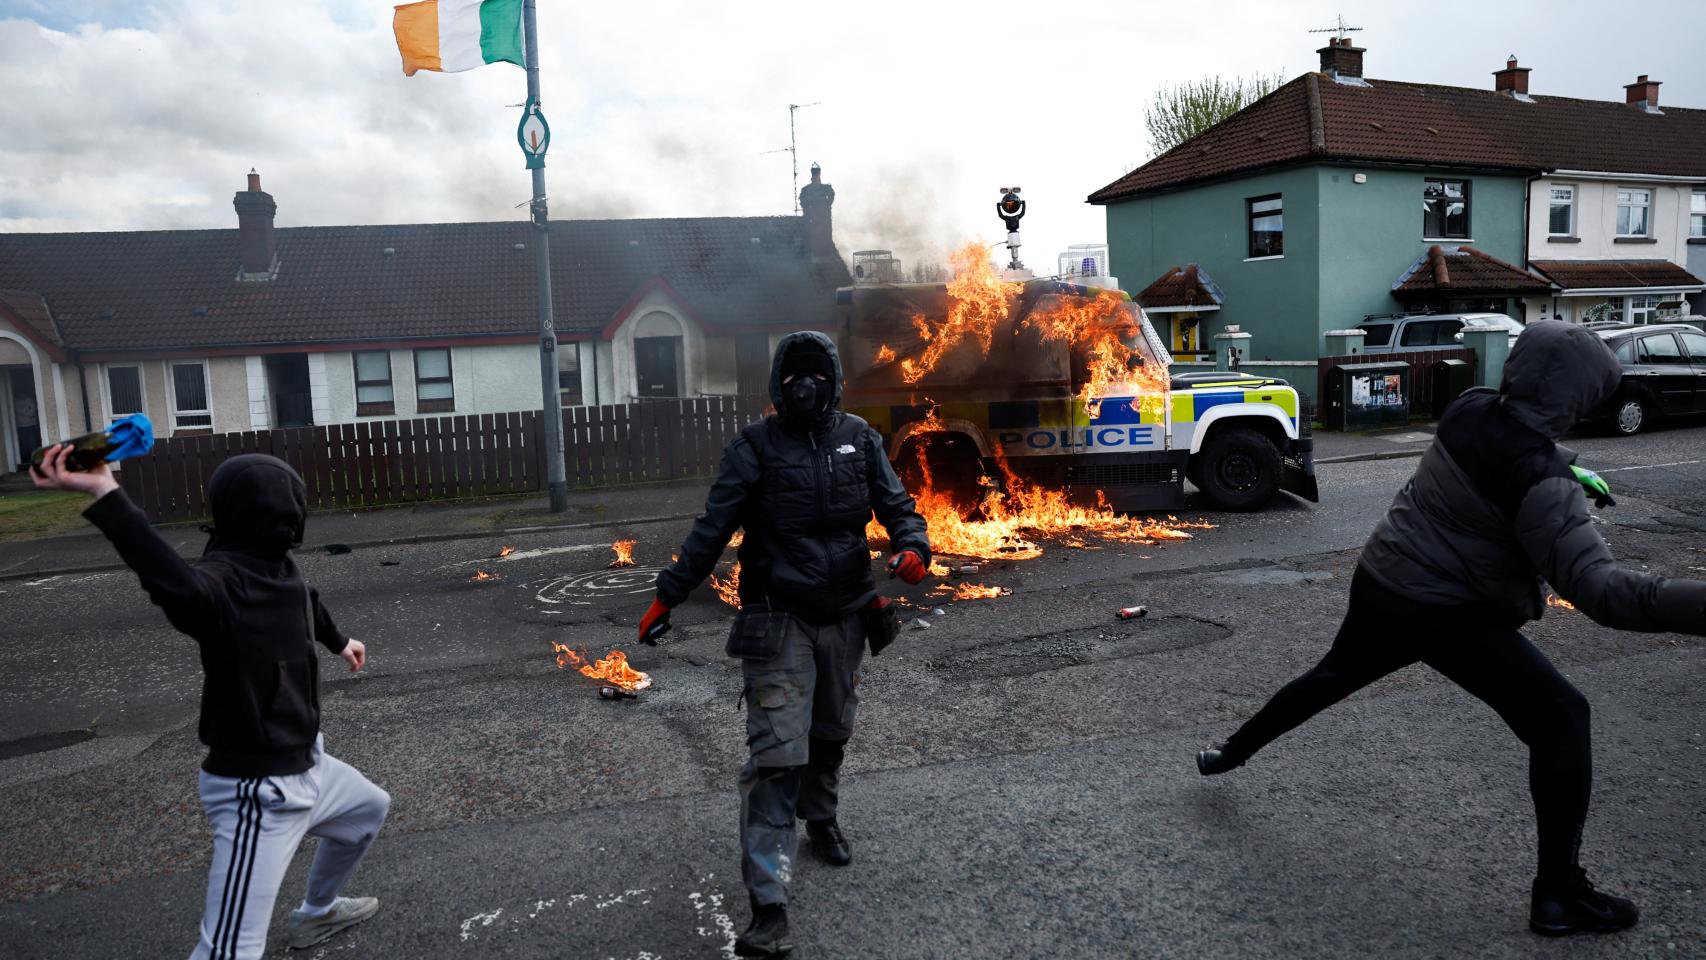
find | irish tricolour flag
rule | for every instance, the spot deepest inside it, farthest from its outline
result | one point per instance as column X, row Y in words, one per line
column 452, row 35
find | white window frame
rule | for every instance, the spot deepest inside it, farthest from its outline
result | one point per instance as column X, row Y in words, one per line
column 1697, row 214
column 107, row 389
column 1647, row 206
column 1650, row 309
column 1552, row 202
column 449, row 378
column 172, row 396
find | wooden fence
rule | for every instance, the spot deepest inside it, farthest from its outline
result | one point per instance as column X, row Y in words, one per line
column 1421, row 373
column 377, row 462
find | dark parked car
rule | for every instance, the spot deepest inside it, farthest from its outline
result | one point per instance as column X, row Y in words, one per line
column 1664, row 374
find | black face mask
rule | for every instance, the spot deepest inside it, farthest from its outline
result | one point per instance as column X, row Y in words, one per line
column 806, row 398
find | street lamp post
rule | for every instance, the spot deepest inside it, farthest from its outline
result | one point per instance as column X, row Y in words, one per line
column 535, row 137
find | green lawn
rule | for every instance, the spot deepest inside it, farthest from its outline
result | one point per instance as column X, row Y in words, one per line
column 24, row 516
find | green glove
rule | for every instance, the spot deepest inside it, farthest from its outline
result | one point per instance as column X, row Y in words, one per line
column 1594, row 487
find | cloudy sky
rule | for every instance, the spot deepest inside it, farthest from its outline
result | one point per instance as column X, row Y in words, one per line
column 119, row 115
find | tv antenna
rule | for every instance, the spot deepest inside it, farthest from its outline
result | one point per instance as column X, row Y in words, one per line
column 1339, row 28
column 793, row 148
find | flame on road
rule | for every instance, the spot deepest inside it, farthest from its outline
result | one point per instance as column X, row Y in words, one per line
column 1560, row 602
column 613, row 669
column 728, row 590
column 482, row 576
column 624, row 550
column 972, row 591
column 506, row 551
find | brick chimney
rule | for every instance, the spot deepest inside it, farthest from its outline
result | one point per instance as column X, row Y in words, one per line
column 1512, row 79
column 255, row 209
column 815, row 200
column 1642, row 93
column 1340, row 59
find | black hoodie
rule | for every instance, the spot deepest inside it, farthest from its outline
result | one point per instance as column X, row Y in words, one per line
column 1493, row 512
column 803, row 492
column 247, row 607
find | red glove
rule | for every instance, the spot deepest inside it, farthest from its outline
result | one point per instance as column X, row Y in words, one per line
column 654, row 624
column 908, row 565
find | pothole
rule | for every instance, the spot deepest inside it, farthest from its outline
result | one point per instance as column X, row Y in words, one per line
column 1071, row 648
column 42, row 743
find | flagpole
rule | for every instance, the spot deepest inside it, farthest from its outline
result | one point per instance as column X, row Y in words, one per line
column 556, row 477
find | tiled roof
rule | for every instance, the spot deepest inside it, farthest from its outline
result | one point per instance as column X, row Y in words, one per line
column 179, row 288
column 1186, row 286
column 1316, row 118
column 1465, row 270
column 1612, row 274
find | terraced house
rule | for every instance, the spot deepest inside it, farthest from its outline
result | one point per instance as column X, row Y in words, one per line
column 219, row 331
column 1338, row 196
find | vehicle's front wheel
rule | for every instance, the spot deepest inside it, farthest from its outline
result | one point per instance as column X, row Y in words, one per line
column 1630, row 416
column 1240, row 469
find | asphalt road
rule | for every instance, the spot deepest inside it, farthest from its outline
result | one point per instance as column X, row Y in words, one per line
column 1020, row 784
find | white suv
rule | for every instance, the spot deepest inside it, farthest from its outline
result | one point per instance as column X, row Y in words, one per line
column 1409, row 333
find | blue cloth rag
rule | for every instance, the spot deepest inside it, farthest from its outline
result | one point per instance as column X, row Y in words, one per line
column 132, row 437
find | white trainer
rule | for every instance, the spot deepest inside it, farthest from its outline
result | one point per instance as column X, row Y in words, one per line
column 302, row 930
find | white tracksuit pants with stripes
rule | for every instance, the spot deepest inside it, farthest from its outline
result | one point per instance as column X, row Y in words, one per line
column 258, row 823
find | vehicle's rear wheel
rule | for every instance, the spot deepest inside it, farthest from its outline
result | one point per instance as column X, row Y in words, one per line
column 1240, row 469
column 1630, row 416
column 953, row 466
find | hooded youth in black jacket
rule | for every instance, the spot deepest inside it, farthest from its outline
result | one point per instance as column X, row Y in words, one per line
column 1494, row 513
column 248, row 609
column 803, row 493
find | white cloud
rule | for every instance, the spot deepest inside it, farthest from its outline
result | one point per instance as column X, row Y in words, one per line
column 127, row 116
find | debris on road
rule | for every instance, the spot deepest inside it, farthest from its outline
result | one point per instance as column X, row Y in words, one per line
column 616, row 693
column 506, row 551
column 921, row 623
column 1133, row 613
column 338, row 549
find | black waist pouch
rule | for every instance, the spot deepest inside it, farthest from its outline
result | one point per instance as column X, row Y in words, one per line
column 882, row 625
column 757, row 633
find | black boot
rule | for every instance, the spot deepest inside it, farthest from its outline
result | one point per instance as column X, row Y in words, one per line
column 767, row 934
column 1217, row 759
column 1570, row 904
column 829, row 843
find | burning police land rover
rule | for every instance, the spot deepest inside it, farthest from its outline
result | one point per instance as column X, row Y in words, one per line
column 996, row 381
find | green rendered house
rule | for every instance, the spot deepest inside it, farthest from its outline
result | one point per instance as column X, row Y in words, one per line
column 1330, row 199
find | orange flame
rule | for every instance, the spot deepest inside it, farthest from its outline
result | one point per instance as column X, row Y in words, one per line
column 506, row 551
column 1560, row 602
column 624, row 550
column 613, row 669
column 481, row 576
column 1102, row 326
column 885, row 354
column 738, row 539
column 979, row 301
column 728, row 590
column 974, row 591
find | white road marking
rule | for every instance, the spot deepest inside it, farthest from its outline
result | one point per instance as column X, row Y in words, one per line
column 1652, row 466
column 529, row 554
column 709, row 907
column 483, row 919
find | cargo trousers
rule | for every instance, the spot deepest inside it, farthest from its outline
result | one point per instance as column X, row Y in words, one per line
column 799, row 716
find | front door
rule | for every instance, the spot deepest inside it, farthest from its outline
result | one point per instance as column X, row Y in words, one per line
column 26, row 419
column 287, row 381
column 657, row 366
